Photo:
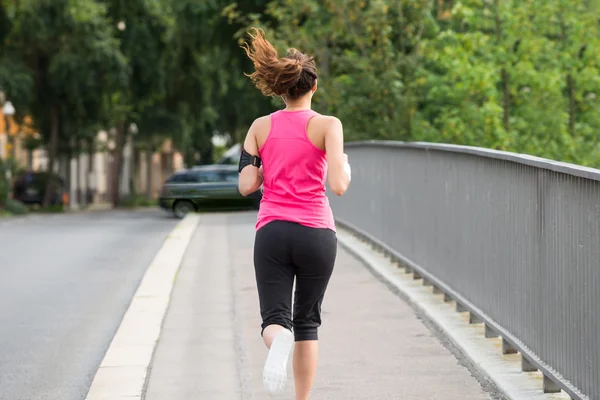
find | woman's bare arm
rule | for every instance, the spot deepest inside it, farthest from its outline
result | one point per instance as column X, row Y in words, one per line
column 251, row 178
column 336, row 159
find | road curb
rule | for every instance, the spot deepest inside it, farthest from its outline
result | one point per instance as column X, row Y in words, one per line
column 123, row 371
column 484, row 354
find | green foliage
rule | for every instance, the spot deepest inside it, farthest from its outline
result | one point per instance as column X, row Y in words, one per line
column 73, row 54
column 514, row 75
column 206, row 87
column 218, row 152
column 52, row 209
column 521, row 76
column 16, row 79
column 137, row 201
column 8, row 168
column 537, row 45
column 16, row 207
column 358, row 50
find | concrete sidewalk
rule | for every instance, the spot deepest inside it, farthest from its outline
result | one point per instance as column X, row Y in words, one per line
column 372, row 346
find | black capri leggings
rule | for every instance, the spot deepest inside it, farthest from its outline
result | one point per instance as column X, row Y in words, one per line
column 284, row 250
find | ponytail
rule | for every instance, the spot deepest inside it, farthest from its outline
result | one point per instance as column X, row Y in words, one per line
column 293, row 75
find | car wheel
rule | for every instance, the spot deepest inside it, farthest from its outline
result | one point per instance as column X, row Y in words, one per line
column 182, row 207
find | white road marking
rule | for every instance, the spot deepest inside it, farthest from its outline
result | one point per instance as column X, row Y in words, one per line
column 123, row 371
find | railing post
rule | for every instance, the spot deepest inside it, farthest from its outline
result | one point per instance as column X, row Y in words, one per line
column 508, row 348
column 527, row 366
column 460, row 308
column 474, row 319
column 490, row 333
column 550, row 386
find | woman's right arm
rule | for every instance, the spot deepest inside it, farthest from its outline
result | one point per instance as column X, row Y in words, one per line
column 336, row 159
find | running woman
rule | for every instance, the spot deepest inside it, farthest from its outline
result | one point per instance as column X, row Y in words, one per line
column 291, row 153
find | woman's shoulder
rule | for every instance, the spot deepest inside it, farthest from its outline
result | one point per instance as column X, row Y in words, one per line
column 261, row 123
column 326, row 121
column 262, row 120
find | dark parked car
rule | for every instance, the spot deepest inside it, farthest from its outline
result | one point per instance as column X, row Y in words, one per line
column 210, row 185
column 30, row 188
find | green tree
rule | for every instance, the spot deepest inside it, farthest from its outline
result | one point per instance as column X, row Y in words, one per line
column 365, row 51
column 143, row 29
column 207, row 88
column 16, row 80
column 501, row 74
column 74, row 59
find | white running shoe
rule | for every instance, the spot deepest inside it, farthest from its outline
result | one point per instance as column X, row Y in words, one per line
column 275, row 371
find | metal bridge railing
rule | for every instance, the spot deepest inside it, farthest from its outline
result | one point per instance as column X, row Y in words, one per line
column 513, row 239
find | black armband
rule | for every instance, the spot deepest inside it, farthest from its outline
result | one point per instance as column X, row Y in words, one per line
column 247, row 159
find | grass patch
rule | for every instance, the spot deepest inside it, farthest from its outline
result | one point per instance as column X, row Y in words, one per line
column 56, row 209
column 15, row 207
column 5, row 214
column 137, row 202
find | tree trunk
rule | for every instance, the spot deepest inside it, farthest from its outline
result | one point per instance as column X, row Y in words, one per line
column 133, row 172
column 52, row 148
column 64, row 164
column 117, row 164
column 206, row 156
column 503, row 73
column 78, row 177
column 90, row 171
column 149, row 172
column 506, row 85
column 497, row 20
column 571, row 88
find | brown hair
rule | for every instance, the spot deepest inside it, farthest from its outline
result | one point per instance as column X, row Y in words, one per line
column 291, row 76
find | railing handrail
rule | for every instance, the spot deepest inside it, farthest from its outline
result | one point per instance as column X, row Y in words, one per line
column 525, row 159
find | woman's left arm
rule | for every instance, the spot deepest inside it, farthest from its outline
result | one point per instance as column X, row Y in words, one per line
column 251, row 177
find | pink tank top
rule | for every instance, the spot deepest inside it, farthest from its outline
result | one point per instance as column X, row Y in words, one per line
column 294, row 172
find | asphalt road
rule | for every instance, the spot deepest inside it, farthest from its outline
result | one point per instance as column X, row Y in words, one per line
column 65, row 284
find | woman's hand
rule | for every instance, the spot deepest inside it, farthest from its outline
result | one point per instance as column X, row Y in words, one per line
column 347, row 168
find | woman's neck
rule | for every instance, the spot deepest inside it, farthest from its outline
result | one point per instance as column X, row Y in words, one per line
column 298, row 105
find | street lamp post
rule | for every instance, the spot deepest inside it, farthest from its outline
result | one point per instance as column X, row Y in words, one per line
column 2, row 102
column 7, row 170
column 9, row 110
column 133, row 128
column 111, row 145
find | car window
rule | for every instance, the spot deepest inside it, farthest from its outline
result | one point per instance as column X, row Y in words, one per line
column 190, row 178
column 231, row 176
column 207, row 177
column 178, row 178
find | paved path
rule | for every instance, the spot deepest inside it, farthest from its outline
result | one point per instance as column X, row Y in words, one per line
column 65, row 282
column 373, row 346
